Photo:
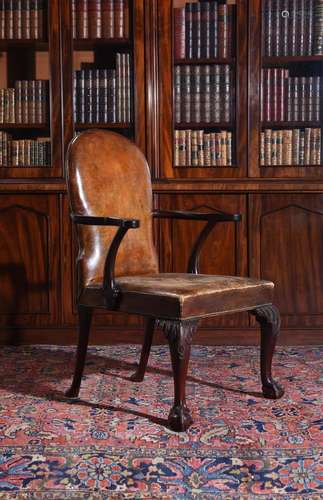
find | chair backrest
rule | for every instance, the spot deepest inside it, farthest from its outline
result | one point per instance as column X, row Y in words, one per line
column 107, row 175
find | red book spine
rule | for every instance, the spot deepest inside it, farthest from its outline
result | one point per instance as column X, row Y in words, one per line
column 9, row 15
column 179, row 33
column 274, row 108
column 267, row 94
column 119, row 19
column 223, row 30
column 107, row 18
column 82, row 21
column 126, row 19
column 95, row 18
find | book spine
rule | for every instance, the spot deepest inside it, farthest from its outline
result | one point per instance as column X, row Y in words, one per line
column 95, row 18
column 268, row 133
column 226, row 97
column 103, row 96
column 318, row 146
column 196, row 108
column 129, row 84
column 32, row 101
column 96, row 96
column 217, row 93
column 177, row 94
column 205, row 30
column 223, row 29
column 200, row 150
column 285, row 26
column 296, row 147
column 303, row 103
column 312, row 147
column 196, row 34
column 2, row 20
column 82, row 19
column 318, row 28
column 301, row 32
column 207, row 94
column 9, row 16
column 262, row 149
column 179, row 33
column 182, row 149
column 280, row 147
column 229, row 149
column 119, row 18
column 176, row 148
column 295, row 100
column 33, row 19
column 74, row 31
column 269, row 31
column 188, row 147
column 277, row 28
column 267, row 94
column 17, row 28
column 214, row 29
column 189, row 30
column 317, row 97
column 108, row 19
column 207, row 150
column 302, row 148
column 194, row 149
column 309, row 28
column 293, row 27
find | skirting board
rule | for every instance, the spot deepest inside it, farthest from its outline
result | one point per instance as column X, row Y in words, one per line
column 104, row 336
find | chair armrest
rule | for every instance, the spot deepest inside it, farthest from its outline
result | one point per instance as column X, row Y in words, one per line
column 92, row 220
column 109, row 285
column 211, row 218
column 186, row 215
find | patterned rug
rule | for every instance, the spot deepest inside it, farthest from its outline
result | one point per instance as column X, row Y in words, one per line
column 113, row 443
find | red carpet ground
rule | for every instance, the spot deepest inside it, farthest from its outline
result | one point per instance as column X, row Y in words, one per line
column 113, row 443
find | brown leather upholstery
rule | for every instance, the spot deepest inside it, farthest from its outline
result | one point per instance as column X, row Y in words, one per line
column 185, row 296
column 108, row 176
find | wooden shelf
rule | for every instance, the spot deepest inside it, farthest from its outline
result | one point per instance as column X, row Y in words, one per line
column 36, row 126
column 82, row 126
column 274, row 60
column 24, row 166
column 39, row 45
column 313, row 124
column 92, row 43
column 203, row 125
column 213, row 60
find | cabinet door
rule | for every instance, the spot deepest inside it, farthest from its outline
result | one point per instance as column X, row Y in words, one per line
column 29, row 260
column 287, row 247
column 225, row 250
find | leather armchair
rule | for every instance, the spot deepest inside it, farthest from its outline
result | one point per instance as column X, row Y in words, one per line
column 110, row 196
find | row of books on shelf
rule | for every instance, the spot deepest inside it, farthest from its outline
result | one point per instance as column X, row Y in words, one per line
column 286, row 98
column 196, row 148
column 100, row 19
column 290, row 147
column 203, row 30
column 203, row 93
column 292, row 27
column 103, row 95
column 27, row 102
column 22, row 19
column 24, row 152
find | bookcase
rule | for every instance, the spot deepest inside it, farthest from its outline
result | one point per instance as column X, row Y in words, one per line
column 223, row 97
column 30, row 113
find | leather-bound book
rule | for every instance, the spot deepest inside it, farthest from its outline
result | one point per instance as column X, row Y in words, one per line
column 293, row 30
column 296, row 146
column 285, row 25
column 96, row 95
column 262, row 149
column 301, row 32
column 317, row 97
column 205, row 30
column 309, row 28
column 302, row 98
column 17, row 27
column 194, row 148
column 214, row 46
column 32, row 114
column 223, row 30
column 9, row 13
column 196, row 16
column 277, row 18
column 318, row 27
column 189, row 30
column 200, row 149
column 229, row 149
column 207, row 150
column 226, row 94
column 177, row 94
column 119, row 18
column 186, row 94
column 95, row 18
column 34, row 28
column 82, row 19
column 179, row 33
column 196, row 94
column 188, row 147
column 176, row 148
column 108, row 18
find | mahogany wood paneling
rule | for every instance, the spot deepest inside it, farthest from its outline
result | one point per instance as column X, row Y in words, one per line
column 29, row 260
column 286, row 244
column 224, row 252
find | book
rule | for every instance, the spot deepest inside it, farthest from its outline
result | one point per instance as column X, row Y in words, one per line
column 179, row 33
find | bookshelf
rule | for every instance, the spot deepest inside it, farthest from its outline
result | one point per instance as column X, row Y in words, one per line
column 288, row 77
column 203, row 72
column 30, row 123
column 102, row 54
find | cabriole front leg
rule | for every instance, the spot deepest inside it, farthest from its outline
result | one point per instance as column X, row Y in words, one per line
column 179, row 335
column 85, row 318
column 269, row 319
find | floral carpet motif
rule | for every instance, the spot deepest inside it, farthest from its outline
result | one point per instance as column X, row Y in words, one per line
column 114, row 443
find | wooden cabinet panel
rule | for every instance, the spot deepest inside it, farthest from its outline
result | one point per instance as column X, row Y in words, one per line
column 287, row 247
column 225, row 251
column 29, row 260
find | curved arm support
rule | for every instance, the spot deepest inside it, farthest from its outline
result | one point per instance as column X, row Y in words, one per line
column 109, row 284
column 193, row 261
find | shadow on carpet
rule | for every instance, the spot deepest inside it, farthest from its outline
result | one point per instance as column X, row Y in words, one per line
column 114, row 442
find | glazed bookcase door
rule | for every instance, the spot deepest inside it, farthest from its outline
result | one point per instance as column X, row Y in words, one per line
column 202, row 89
column 30, row 109
column 285, row 109
column 103, row 54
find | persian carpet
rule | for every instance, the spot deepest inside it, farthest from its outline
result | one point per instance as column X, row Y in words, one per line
column 113, row 442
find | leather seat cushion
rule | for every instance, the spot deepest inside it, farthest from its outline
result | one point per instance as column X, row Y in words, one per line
column 185, row 295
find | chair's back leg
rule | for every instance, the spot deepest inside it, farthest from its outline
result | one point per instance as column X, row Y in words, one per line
column 138, row 376
column 179, row 335
column 85, row 318
column 269, row 318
